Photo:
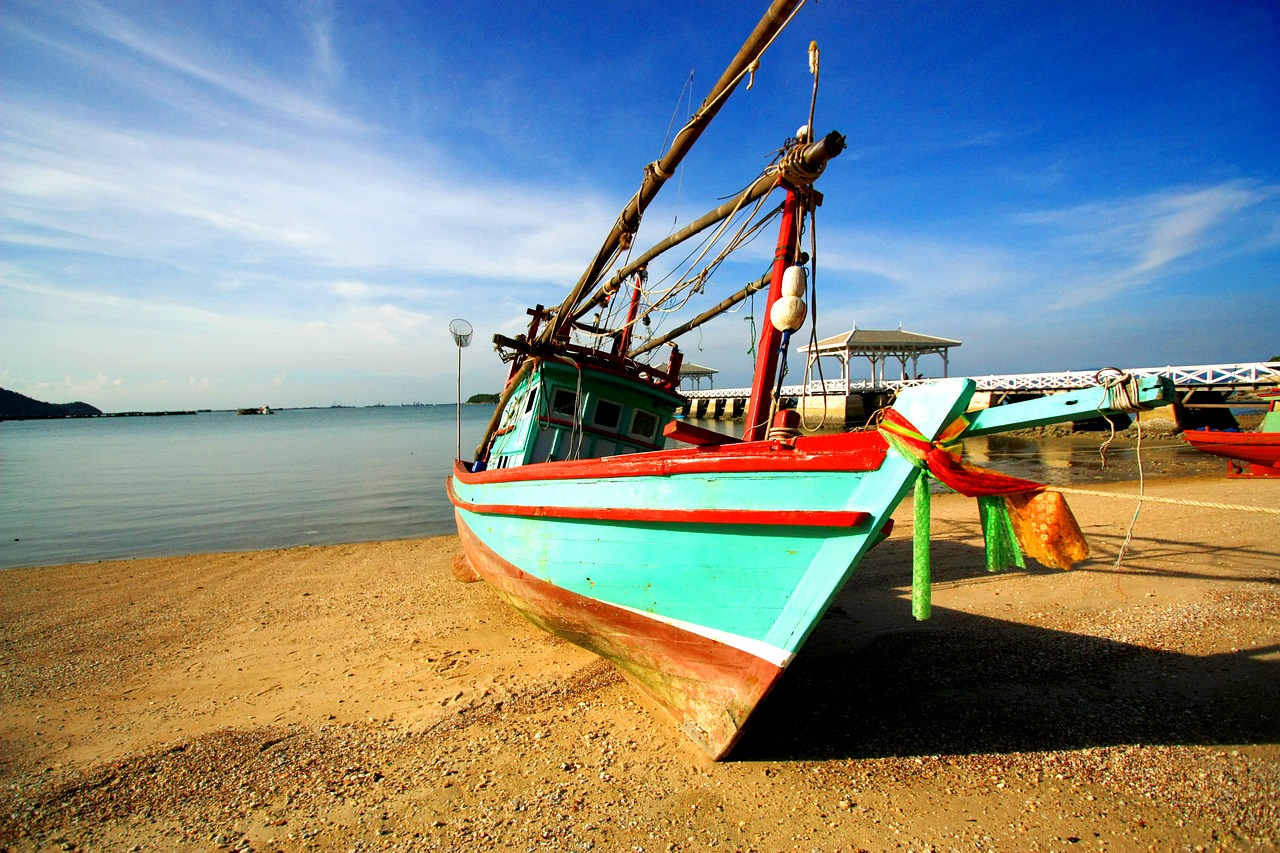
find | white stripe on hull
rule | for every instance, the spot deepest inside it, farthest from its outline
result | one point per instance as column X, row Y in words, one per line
column 757, row 648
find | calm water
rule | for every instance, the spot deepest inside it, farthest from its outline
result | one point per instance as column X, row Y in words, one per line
column 105, row 488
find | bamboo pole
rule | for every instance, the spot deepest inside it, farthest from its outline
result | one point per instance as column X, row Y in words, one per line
column 657, row 173
column 710, row 314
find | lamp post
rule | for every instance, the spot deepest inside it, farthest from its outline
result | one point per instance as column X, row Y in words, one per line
column 461, row 332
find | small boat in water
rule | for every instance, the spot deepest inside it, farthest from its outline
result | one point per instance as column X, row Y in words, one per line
column 1260, row 450
column 700, row 571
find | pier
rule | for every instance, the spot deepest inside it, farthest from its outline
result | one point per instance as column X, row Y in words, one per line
column 1205, row 392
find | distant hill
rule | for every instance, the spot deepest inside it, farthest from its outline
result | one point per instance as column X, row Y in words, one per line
column 483, row 398
column 15, row 405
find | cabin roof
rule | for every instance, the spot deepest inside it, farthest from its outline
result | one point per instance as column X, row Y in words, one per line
column 690, row 369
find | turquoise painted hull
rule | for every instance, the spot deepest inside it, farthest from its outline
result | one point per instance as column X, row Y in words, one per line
column 761, row 584
column 729, row 555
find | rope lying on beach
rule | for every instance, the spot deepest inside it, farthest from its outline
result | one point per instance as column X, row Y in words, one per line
column 1176, row 501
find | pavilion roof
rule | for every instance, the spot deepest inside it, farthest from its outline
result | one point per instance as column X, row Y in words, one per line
column 857, row 341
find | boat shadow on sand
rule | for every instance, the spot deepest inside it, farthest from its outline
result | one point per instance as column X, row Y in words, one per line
column 962, row 683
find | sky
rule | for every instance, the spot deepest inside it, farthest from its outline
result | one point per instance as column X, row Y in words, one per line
column 223, row 204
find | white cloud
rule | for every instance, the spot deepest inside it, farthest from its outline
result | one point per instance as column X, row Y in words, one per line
column 1109, row 248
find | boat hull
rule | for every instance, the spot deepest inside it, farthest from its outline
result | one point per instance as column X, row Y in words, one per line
column 1259, row 448
column 709, row 687
column 698, row 572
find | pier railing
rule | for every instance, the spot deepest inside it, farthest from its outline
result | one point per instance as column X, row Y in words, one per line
column 1245, row 376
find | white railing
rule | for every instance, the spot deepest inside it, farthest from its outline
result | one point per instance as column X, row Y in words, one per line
column 1225, row 376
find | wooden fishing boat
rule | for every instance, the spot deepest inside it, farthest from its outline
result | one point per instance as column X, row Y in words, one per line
column 698, row 571
column 1259, row 450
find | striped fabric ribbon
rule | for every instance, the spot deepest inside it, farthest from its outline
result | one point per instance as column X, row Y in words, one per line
column 1014, row 512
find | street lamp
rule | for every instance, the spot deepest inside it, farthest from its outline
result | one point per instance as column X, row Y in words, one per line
column 461, row 331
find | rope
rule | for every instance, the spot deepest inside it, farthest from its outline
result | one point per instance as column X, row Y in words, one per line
column 796, row 172
column 813, row 334
column 1122, row 390
column 1122, row 394
column 1070, row 490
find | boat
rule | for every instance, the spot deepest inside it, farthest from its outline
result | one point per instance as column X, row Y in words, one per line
column 1259, row 451
column 698, row 563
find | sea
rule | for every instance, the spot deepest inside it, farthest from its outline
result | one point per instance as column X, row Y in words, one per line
column 86, row 489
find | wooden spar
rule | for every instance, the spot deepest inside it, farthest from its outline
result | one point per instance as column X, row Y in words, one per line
column 770, row 337
column 710, row 314
column 656, row 174
column 806, row 161
column 762, row 186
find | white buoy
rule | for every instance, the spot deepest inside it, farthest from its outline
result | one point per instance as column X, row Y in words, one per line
column 795, row 281
column 788, row 313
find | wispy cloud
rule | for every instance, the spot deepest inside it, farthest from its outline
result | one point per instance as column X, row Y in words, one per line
column 319, row 25
column 163, row 62
column 1118, row 246
column 78, row 186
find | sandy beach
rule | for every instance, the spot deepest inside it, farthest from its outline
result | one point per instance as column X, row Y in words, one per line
column 357, row 697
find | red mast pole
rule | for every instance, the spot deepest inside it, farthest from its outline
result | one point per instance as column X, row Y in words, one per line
column 758, row 407
column 623, row 343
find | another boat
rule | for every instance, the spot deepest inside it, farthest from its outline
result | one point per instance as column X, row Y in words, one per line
column 700, row 571
column 1260, row 450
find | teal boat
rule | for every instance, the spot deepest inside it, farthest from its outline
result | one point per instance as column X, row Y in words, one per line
column 699, row 571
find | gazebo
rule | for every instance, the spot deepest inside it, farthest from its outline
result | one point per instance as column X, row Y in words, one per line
column 879, row 347
column 695, row 373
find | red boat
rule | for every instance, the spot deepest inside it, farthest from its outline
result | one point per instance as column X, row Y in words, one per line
column 1261, row 449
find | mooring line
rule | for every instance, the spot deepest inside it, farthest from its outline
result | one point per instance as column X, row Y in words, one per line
column 1068, row 490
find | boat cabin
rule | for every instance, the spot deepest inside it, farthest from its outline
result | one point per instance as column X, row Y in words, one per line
column 559, row 411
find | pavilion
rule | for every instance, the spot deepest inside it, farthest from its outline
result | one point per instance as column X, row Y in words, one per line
column 695, row 373
column 880, row 347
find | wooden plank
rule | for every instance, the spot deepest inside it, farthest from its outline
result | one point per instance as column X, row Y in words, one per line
column 1154, row 391
column 688, row 433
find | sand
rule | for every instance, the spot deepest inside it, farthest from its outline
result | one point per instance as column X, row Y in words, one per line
column 357, row 697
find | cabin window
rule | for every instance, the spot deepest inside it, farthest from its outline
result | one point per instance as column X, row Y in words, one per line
column 607, row 415
column 528, row 403
column 644, row 424
column 564, row 403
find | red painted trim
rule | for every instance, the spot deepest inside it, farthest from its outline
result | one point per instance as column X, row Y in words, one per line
column 708, row 687
column 859, row 451
column 756, row 517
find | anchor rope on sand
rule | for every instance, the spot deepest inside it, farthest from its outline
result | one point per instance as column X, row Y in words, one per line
column 1071, row 490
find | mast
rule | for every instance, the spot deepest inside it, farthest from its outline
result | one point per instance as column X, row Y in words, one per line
column 800, row 168
column 770, row 337
column 657, row 173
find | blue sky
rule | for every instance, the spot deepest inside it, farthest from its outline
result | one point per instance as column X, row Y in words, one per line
column 210, row 205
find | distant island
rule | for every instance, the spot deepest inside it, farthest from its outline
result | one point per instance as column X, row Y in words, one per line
column 15, row 406
column 483, row 398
